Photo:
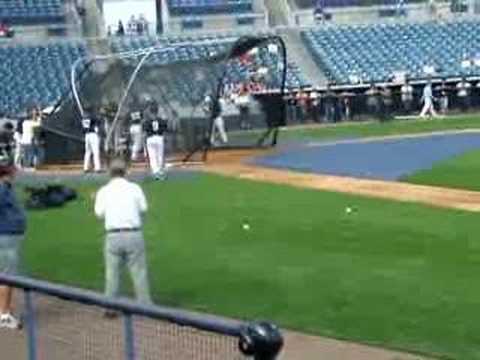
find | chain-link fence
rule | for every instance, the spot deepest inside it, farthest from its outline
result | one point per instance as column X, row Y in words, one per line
column 64, row 323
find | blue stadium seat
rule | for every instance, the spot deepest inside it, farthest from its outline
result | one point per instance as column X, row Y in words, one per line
column 35, row 74
column 194, row 51
column 32, row 12
column 375, row 52
column 203, row 7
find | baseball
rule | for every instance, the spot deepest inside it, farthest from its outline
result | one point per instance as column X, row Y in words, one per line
column 246, row 226
column 348, row 210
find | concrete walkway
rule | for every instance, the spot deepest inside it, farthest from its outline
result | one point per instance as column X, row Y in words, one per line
column 305, row 347
column 67, row 331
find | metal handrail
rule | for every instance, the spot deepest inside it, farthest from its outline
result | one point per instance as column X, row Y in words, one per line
column 87, row 297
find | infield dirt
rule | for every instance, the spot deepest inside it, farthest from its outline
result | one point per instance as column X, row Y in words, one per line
column 235, row 164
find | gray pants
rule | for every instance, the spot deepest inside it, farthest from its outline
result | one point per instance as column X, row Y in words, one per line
column 126, row 248
column 9, row 257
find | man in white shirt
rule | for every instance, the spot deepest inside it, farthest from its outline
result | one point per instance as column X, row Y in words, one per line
column 122, row 205
column 28, row 132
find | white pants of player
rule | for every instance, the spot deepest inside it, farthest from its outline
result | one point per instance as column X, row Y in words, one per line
column 92, row 148
column 137, row 140
column 155, row 150
column 218, row 125
column 18, row 155
column 428, row 108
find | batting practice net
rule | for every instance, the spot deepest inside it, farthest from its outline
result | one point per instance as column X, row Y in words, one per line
column 214, row 93
column 66, row 323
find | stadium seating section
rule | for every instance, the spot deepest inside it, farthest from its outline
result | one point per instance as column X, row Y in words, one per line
column 195, row 52
column 32, row 12
column 39, row 75
column 376, row 52
column 305, row 4
column 209, row 7
column 35, row 75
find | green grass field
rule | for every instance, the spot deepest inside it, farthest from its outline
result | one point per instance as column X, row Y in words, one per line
column 394, row 274
column 461, row 172
column 397, row 127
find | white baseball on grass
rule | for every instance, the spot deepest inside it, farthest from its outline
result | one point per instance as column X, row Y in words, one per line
column 246, row 226
column 348, row 210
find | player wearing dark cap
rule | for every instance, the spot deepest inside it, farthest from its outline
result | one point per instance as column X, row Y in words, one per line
column 155, row 128
column 90, row 125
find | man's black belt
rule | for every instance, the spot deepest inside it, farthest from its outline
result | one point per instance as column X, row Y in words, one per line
column 120, row 230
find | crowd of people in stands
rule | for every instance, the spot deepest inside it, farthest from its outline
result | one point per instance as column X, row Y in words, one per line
column 135, row 26
column 5, row 30
column 381, row 101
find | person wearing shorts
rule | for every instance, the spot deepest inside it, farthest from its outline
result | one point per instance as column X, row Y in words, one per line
column 12, row 229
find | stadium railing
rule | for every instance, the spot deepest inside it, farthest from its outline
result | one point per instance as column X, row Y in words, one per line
column 63, row 322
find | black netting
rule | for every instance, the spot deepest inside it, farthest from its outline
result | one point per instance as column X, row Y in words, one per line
column 186, row 83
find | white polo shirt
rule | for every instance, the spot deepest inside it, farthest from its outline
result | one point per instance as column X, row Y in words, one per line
column 28, row 128
column 121, row 203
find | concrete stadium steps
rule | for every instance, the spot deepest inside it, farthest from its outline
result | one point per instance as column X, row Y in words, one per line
column 93, row 24
column 299, row 54
column 276, row 15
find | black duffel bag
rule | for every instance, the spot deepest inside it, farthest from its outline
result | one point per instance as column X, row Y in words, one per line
column 50, row 196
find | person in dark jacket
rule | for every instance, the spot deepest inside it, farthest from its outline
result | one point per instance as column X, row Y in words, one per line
column 12, row 230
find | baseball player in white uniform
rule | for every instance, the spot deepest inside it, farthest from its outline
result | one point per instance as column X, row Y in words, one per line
column 136, row 135
column 155, row 129
column 90, row 125
column 215, row 108
column 427, row 99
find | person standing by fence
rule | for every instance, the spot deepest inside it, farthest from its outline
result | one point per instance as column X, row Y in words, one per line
column 12, row 230
column 122, row 205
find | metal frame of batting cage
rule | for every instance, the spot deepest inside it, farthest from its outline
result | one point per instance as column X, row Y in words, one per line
column 261, row 340
column 145, row 53
column 58, row 104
